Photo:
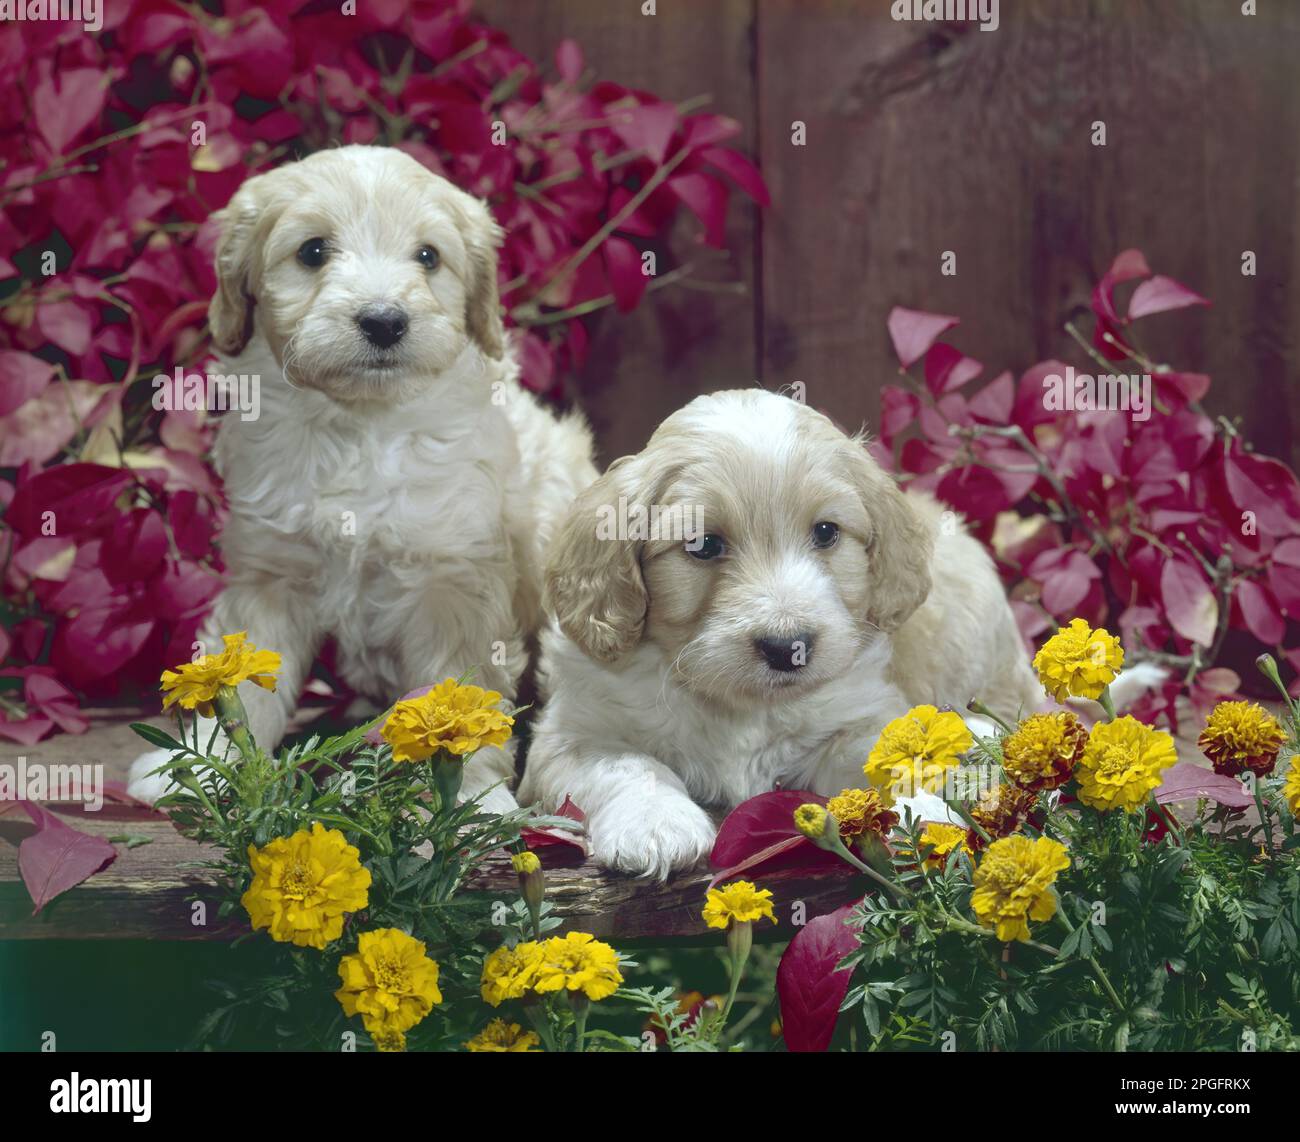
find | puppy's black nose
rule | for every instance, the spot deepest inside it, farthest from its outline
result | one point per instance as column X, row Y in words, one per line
column 786, row 653
column 383, row 325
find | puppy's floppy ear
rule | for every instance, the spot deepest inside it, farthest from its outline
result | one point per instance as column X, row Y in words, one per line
column 230, row 313
column 594, row 586
column 902, row 543
column 482, row 236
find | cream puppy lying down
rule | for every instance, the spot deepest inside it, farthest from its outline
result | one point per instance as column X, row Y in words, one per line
column 399, row 489
column 821, row 603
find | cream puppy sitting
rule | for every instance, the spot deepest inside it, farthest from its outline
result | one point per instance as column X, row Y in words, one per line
column 820, row 603
column 399, row 489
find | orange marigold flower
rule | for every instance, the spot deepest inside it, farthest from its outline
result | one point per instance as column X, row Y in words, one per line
column 1242, row 737
column 1042, row 752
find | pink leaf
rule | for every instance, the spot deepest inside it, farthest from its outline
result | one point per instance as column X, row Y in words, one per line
column 706, row 197
column 1259, row 611
column 57, row 857
column 568, row 61
column 1190, row 604
column 810, row 988
column 1128, row 265
column 947, row 369
column 648, row 128
column 757, row 823
column 66, row 102
column 1158, row 294
column 1187, row 780
column 913, row 331
column 994, row 402
column 743, row 172
column 626, row 275
column 22, row 377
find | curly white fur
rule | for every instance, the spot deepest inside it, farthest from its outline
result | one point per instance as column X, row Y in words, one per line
column 401, row 502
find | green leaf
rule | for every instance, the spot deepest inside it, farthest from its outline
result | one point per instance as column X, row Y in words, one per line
column 154, row 736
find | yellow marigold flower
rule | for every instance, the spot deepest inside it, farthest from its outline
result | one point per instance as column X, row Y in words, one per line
column 1240, row 737
column 1013, row 884
column 525, row 862
column 386, row 1040
column 510, row 972
column 741, row 902
column 1078, row 660
column 578, row 962
column 451, row 716
column 916, row 751
column 1042, row 752
column 939, row 840
column 810, row 819
column 1291, row 790
column 861, row 811
column 195, row 684
column 1123, row 761
column 304, row 884
column 1002, row 809
column 389, row 981
column 500, row 1036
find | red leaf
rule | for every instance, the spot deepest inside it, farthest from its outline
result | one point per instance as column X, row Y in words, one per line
column 1158, row 294
column 626, row 276
column 22, row 377
column 1187, row 780
column 568, row 61
column 947, row 369
column 810, row 988
column 1259, row 611
column 1128, row 265
column 743, row 172
column 57, row 857
column 913, row 331
column 1189, row 603
column 706, row 197
column 66, row 102
column 77, row 494
column 898, row 409
column 994, row 402
column 648, row 128
column 757, row 823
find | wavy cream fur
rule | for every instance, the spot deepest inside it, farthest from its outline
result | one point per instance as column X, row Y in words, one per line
column 659, row 703
column 405, row 511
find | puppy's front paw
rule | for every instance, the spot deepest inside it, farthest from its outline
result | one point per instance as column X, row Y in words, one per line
column 652, row 837
column 144, row 785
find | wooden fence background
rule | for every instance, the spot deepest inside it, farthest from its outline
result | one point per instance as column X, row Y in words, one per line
column 925, row 137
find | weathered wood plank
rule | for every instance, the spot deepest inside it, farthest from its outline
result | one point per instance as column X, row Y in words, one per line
column 923, row 138
column 148, row 892
column 679, row 342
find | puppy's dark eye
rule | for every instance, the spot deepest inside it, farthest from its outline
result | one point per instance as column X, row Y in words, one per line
column 428, row 257
column 706, row 546
column 825, row 533
column 312, row 253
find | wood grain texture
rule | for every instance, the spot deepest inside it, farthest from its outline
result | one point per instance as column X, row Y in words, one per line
column 924, row 138
column 679, row 342
column 149, row 892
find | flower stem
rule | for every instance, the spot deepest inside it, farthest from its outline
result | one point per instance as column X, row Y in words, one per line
column 1107, row 703
column 1104, row 980
column 897, row 889
column 975, row 706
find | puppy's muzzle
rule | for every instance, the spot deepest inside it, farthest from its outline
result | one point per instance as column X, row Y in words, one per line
column 786, row 654
column 383, row 325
